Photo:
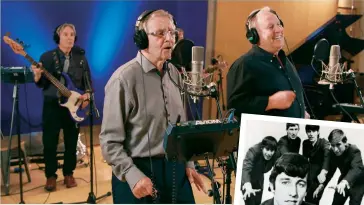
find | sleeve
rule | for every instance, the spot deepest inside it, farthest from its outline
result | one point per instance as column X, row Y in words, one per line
column 356, row 167
column 332, row 169
column 85, row 84
column 282, row 146
column 248, row 164
column 325, row 146
column 46, row 63
column 240, row 91
column 117, row 105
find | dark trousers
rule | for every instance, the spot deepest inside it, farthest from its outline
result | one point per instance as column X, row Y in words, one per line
column 162, row 169
column 355, row 195
column 312, row 186
column 56, row 118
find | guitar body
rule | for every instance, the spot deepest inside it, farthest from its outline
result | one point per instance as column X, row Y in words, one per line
column 72, row 103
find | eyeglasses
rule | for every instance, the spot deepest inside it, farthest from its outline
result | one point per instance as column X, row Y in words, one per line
column 164, row 33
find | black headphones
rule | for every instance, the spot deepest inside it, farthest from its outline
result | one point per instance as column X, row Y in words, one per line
column 252, row 33
column 140, row 36
column 56, row 37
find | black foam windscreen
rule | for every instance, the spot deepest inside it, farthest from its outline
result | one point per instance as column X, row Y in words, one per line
column 321, row 50
column 182, row 54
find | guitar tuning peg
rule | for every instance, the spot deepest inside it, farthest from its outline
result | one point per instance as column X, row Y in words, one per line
column 17, row 39
column 21, row 42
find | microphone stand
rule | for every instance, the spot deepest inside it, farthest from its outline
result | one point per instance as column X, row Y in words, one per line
column 219, row 87
column 91, row 196
column 358, row 91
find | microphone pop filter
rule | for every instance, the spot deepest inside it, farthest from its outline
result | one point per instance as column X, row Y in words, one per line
column 321, row 50
column 182, row 54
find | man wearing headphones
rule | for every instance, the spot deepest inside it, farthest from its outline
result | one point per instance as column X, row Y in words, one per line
column 140, row 100
column 65, row 58
column 263, row 81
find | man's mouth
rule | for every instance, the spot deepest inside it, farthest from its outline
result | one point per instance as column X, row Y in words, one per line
column 279, row 37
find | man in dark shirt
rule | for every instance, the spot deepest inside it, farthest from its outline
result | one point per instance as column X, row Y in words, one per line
column 263, row 81
column 290, row 142
column 258, row 160
column 71, row 60
column 317, row 150
column 347, row 158
column 288, row 180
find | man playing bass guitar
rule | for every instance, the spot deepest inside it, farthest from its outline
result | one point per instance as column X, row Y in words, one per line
column 70, row 60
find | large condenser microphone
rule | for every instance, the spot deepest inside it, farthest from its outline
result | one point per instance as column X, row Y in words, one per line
column 333, row 73
column 334, row 63
column 197, row 64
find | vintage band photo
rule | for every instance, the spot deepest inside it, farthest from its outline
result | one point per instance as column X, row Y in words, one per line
column 302, row 162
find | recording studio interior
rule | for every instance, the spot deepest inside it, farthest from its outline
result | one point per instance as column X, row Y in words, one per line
column 324, row 41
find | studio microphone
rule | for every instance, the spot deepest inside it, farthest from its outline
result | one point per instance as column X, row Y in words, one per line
column 197, row 65
column 333, row 73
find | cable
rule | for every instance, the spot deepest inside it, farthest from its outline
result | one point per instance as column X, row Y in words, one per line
column 337, row 102
column 155, row 194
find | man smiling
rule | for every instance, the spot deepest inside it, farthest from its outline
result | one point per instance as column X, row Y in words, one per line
column 263, row 81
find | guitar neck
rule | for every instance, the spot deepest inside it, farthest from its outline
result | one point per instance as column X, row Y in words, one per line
column 62, row 89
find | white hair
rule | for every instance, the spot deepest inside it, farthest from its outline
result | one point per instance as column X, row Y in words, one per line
column 157, row 13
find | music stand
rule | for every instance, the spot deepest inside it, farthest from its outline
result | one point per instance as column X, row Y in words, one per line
column 16, row 76
column 199, row 140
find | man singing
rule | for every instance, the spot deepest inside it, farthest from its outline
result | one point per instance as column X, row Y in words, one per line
column 140, row 101
column 263, row 81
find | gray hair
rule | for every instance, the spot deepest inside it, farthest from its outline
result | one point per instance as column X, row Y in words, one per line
column 157, row 13
column 61, row 27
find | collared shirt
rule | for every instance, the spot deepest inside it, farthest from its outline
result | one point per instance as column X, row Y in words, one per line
column 257, row 75
column 75, row 70
column 138, row 101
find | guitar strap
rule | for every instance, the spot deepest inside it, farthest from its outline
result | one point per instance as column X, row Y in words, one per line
column 57, row 67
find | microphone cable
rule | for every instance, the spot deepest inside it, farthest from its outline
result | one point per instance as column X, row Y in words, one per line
column 155, row 196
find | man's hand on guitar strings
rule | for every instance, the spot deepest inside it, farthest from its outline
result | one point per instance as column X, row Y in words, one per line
column 85, row 99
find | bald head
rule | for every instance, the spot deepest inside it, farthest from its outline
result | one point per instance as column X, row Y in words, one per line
column 269, row 28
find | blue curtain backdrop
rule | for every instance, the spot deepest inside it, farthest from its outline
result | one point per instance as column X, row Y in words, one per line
column 104, row 29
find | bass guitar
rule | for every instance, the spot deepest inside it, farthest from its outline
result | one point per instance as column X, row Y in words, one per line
column 70, row 94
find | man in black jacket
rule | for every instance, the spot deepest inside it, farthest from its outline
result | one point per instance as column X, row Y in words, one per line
column 290, row 142
column 347, row 158
column 263, row 81
column 258, row 160
column 68, row 59
column 317, row 150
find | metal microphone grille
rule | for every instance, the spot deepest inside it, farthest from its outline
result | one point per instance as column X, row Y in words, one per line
column 197, row 54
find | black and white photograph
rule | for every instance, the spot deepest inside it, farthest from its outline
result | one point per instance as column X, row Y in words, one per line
column 299, row 161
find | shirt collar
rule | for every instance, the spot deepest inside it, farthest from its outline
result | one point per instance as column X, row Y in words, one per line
column 144, row 62
column 62, row 55
column 266, row 55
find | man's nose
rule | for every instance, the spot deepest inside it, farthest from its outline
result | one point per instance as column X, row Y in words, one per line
column 292, row 191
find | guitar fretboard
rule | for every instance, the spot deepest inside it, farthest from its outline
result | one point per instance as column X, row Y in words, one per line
column 62, row 89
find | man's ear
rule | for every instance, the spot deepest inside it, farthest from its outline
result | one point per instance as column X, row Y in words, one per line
column 271, row 187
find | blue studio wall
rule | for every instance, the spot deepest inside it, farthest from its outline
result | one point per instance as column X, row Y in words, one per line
column 104, row 29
